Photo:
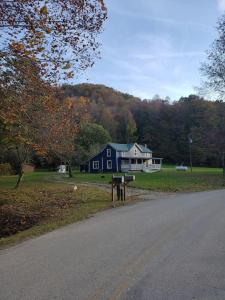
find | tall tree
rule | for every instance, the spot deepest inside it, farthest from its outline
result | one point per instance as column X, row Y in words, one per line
column 214, row 68
column 63, row 124
column 23, row 98
column 89, row 141
column 41, row 42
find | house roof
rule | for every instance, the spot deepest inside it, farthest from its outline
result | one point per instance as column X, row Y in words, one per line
column 127, row 147
column 144, row 148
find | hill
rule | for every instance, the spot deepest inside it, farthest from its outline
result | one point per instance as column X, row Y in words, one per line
column 164, row 126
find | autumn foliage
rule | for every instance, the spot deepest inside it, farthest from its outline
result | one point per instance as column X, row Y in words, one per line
column 59, row 35
column 34, row 115
column 42, row 42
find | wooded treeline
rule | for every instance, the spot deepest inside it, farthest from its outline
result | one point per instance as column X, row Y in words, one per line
column 161, row 124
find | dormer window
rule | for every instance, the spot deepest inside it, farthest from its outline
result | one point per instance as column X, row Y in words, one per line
column 135, row 151
column 108, row 152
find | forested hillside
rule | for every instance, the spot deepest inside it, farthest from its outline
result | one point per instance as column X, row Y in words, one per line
column 161, row 124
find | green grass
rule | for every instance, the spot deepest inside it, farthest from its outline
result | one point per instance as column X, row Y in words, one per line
column 30, row 178
column 167, row 180
column 42, row 198
column 39, row 206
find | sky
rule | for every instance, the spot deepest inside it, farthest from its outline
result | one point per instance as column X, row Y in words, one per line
column 155, row 46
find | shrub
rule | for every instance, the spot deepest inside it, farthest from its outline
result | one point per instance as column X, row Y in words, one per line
column 6, row 169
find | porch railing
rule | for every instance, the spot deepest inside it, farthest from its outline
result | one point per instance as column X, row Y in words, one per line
column 139, row 167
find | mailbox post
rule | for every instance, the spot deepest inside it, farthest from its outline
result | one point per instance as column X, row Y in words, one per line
column 120, row 183
column 117, row 182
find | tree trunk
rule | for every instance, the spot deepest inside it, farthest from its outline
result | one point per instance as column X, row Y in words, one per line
column 20, row 176
column 70, row 170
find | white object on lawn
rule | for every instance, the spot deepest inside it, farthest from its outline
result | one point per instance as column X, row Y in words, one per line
column 181, row 168
column 150, row 170
column 62, row 169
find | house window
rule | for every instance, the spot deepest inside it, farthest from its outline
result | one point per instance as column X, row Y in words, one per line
column 96, row 165
column 109, row 164
column 108, row 152
column 135, row 151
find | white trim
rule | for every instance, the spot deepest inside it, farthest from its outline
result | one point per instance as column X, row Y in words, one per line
column 109, row 168
column 109, row 152
column 93, row 165
column 137, row 145
column 117, row 161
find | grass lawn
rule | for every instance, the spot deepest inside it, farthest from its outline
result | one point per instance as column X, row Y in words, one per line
column 43, row 203
column 167, row 180
column 39, row 206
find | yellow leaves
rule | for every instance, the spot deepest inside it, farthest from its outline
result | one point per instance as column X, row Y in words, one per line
column 48, row 30
column 82, row 100
column 44, row 10
column 69, row 103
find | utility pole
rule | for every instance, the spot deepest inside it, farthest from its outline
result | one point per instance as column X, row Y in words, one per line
column 223, row 163
column 190, row 150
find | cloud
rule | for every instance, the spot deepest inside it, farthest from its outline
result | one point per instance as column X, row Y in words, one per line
column 163, row 20
column 221, row 5
column 168, row 55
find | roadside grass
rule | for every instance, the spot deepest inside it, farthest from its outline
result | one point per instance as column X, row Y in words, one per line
column 39, row 206
column 46, row 200
column 174, row 181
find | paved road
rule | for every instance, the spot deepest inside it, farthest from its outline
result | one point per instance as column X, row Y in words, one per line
column 170, row 248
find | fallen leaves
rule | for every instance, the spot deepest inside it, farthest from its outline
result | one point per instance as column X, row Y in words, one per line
column 26, row 208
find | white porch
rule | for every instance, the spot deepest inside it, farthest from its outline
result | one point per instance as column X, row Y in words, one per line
column 141, row 164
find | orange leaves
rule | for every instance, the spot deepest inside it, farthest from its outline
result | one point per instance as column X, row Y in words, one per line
column 17, row 47
column 48, row 30
column 64, row 124
column 39, row 150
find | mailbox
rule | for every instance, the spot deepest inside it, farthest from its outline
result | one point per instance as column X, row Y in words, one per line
column 129, row 178
column 118, row 179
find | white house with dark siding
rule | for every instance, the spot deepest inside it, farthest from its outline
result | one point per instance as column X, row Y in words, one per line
column 124, row 158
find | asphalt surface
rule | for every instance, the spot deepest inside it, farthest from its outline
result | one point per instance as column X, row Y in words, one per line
column 169, row 248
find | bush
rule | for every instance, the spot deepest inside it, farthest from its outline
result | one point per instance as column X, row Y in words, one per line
column 6, row 169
